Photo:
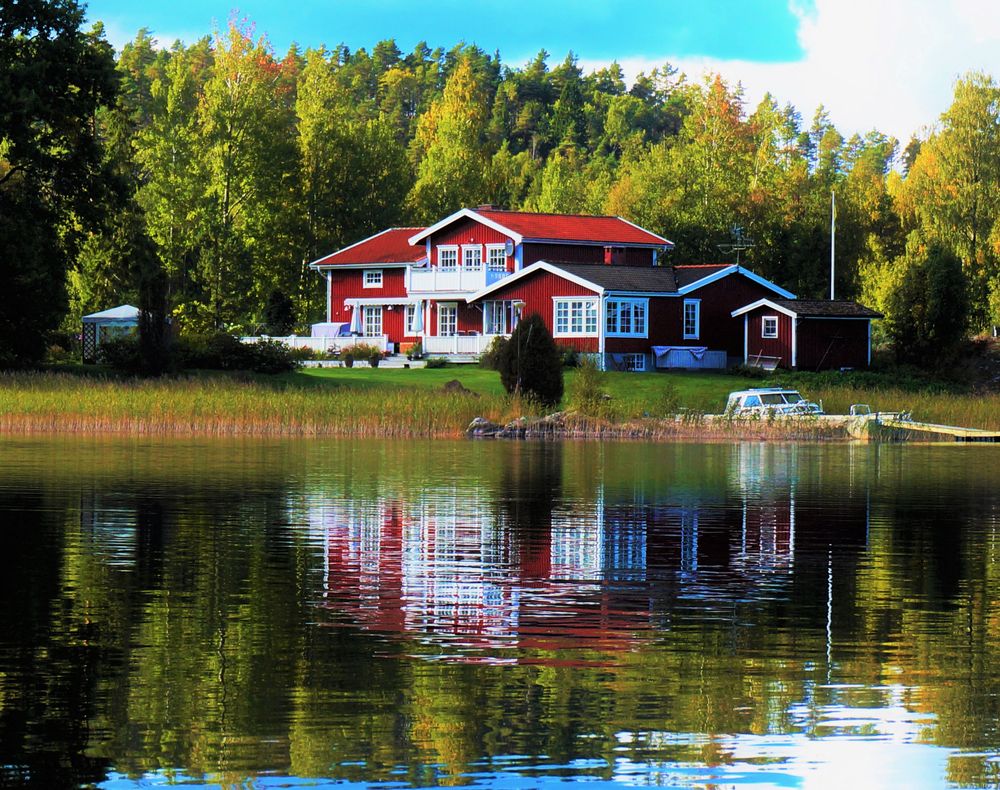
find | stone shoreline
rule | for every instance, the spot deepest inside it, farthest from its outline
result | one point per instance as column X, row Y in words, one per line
column 570, row 425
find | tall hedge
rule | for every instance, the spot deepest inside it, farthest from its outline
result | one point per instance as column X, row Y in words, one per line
column 530, row 364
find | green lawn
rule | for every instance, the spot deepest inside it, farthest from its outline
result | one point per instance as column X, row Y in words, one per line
column 698, row 391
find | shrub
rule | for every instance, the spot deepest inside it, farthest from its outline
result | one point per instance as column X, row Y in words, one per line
column 222, row 351
column 437, row 362
column 570, row 358
column 268, row 356
column 491, row 356
column 121, row 353
column 667, row 401
column 531, row 364
column 587, row 393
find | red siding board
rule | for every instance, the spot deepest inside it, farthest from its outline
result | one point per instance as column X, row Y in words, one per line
column 562, row 253
column 585, row 253
column 349, row 284
column 719, row 330
column 467, row 232
column 820, row 343
column 780, row 347
column 825, row 343
column 537, row 292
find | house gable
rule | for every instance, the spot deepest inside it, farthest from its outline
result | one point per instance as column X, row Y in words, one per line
column 691, row 278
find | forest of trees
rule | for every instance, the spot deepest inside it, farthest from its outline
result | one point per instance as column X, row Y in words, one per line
column 199, row 180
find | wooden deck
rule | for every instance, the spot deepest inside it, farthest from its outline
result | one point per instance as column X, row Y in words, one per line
column 957, row 433
column 893, row 428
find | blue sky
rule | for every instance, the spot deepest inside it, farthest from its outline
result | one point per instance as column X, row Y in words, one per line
column 758, row 30
column 888, row 65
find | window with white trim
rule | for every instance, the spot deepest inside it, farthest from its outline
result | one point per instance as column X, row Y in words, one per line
column 372, row 278
column 411, row 319
column 769, row 326
column 496, row 257
column 575, row 318
column 371, row 317
column 692, row 319
column 499, row 318
column 626, row 317
column 447, row 319
column 634, row 362
column 448, row 258
column 472, row 258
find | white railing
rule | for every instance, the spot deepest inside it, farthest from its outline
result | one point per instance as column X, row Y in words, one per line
column 458, row 344
column 434, row 279
column 327, row 344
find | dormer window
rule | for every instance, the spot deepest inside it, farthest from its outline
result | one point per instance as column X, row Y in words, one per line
column 472, row 257
column 448, row 258
column 496, row 257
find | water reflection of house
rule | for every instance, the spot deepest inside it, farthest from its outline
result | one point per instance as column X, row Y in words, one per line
column 110, row 529
column 443, row 568
column 452, row 567
column 425, row 568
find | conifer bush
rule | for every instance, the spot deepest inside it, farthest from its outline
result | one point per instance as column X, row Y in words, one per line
column 530, row 364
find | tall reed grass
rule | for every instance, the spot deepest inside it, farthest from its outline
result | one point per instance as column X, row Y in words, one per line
column 962, row 410
column 50, row 402
column 43, row 402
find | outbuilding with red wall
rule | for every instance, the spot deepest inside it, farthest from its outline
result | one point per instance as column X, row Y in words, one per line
column 807, row 334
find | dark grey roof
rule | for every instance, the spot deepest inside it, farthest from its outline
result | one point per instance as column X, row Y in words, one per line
column 640, row 279
column 685, row 275
column 824, row 308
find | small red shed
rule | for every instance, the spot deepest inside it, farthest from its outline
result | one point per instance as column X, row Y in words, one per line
column 807, row 334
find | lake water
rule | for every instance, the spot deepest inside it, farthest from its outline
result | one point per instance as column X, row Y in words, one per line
column 498, row 615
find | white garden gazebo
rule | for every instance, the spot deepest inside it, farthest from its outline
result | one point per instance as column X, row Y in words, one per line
column 105, row 325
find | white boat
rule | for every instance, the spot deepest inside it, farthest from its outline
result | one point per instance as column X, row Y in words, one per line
column 768, row 402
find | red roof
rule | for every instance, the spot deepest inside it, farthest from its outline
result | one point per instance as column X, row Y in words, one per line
column 389, row 246
column 571, row 227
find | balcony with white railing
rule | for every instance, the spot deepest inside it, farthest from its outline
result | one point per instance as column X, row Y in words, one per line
column 434, row 279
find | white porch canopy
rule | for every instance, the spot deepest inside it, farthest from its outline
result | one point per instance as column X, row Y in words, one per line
column 102, row 326
column 123, row 314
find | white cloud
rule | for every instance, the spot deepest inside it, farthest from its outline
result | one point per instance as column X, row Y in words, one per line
column 889, row 65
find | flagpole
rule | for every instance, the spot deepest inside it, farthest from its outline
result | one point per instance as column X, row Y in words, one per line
column 833, row 236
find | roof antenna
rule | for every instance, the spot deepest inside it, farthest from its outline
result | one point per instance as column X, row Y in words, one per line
column 741, row 241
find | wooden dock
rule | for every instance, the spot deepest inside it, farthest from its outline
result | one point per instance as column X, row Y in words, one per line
column 893, row 428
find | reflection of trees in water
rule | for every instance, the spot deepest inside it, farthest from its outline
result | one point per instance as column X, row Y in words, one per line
column 176, row 622
column 50, row 661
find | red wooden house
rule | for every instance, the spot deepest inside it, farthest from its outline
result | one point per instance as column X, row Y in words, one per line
column 599, row 283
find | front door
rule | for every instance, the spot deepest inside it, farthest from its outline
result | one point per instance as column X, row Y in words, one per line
column 447, row 319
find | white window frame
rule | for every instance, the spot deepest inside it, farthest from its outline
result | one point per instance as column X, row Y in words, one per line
column 764, row 333
column 410, row 318
column 371, row 278
column 449, row 249
column 496, row 257
column 575, row 317
column 371, row 320
column 504, row 310
column 634, row 363
column 452, row 309
column 696, row 305
column 475, row 252
column 634, row 311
